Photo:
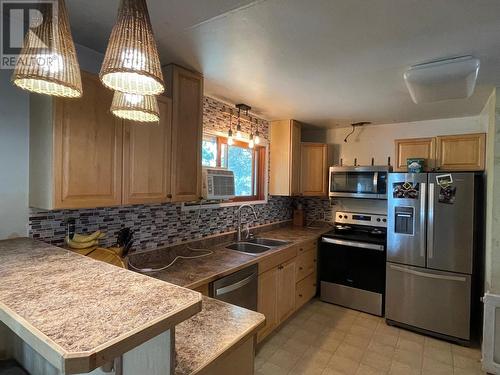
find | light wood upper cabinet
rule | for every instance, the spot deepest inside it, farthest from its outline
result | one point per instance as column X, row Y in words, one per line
column 284, row 175
column 146, row 158
column 186, row 90
column 267, row 301
column 75, row 150
column 464, row 152
column 80, row 159
column 314, row 169
column 424, row 148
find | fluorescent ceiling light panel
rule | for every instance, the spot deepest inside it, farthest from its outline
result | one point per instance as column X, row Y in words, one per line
column 445, row 79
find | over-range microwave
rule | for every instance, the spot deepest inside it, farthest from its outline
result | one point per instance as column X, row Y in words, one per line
column 359, row 182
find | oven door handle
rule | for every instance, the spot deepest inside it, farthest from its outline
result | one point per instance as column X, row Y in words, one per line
column 362, row 245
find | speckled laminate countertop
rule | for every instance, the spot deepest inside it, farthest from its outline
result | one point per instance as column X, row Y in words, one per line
column 191, row 273
column 78, row 312
column 203, row 338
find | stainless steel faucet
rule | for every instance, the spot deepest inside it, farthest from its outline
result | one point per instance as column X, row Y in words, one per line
column 238, row 212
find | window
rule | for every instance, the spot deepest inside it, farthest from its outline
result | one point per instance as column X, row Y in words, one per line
column 246, row 163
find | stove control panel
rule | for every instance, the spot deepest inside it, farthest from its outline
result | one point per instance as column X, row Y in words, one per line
column 359, row 218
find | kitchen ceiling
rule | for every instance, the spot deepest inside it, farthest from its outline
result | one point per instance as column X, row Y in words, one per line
column 324, row 62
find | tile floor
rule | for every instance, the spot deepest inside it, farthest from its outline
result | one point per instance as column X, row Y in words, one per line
column 330, row 340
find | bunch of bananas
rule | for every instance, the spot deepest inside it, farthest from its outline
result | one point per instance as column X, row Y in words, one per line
column 80, row 241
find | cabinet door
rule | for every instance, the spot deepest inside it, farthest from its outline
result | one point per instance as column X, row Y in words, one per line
column 187, row 128
column 87, row 149
column 146, row 158
column 295, row 149
column 313, row 169
column 267, row 302
column 286, row 290
column 461, row 152
column 424, row 148
column 284, row 167
column 306, row 290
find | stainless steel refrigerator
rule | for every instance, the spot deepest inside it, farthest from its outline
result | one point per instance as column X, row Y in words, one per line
column 432, row 238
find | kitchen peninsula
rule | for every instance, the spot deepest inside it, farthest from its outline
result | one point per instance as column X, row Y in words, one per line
column 69, row 314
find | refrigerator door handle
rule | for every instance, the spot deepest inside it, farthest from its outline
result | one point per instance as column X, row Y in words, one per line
column 430, row 222
column 428, row 275
column 423, row 199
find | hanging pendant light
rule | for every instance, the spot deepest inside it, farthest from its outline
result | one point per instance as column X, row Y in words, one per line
column 131, row 63
column 251, row 142
column 230, row 131
column 257, row 134
column 47, row 63
column 142, row 108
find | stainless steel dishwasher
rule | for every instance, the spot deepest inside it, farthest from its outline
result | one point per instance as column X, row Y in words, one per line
column 239, row 288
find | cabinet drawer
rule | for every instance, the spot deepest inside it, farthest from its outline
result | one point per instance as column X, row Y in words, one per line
column 307, row 245
column 305, row 290
column 306, row 263
column 280, row 257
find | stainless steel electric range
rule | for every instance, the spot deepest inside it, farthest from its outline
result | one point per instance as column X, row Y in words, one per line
column 352, row 262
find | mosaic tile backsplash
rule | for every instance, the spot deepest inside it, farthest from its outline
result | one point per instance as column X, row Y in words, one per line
column 154, row 225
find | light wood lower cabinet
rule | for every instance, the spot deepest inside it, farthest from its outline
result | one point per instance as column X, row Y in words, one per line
column 276, row 296
column 306, row 263
column 306, row 289
column 286, row 287
column 268, row 301
column 286, row 290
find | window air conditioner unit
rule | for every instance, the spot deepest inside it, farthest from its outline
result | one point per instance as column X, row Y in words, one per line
column 218, row 183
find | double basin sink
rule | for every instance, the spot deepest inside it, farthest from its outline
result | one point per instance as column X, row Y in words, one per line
column 256, row 245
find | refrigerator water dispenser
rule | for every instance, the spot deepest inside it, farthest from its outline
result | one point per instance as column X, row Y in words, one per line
column 404, row 220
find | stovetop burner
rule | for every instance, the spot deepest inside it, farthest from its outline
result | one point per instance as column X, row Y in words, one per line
column 360, row 227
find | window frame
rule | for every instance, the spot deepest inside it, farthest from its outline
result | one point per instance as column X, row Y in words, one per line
column 259, row 166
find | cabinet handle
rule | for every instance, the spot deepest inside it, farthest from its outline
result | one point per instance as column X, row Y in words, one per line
column 169, row 195
column 300, row 268
column 301, row 249
column 314, row 260
column 300, row 295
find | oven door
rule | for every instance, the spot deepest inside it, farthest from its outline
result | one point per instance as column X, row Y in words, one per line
column 358, row 184
column 352, row 274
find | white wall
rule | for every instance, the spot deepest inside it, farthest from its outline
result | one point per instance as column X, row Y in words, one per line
column 14, row 148
column 377, row 141
column 488, row 117
column 14, row 130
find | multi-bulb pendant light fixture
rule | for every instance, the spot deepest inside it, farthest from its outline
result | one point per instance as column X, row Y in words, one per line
column 131, row 64
column 253, row 138
column 47, row 63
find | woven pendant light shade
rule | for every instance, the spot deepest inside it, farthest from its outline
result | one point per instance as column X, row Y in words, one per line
column 48, row 63
column 142, row 108
column 131, row 63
